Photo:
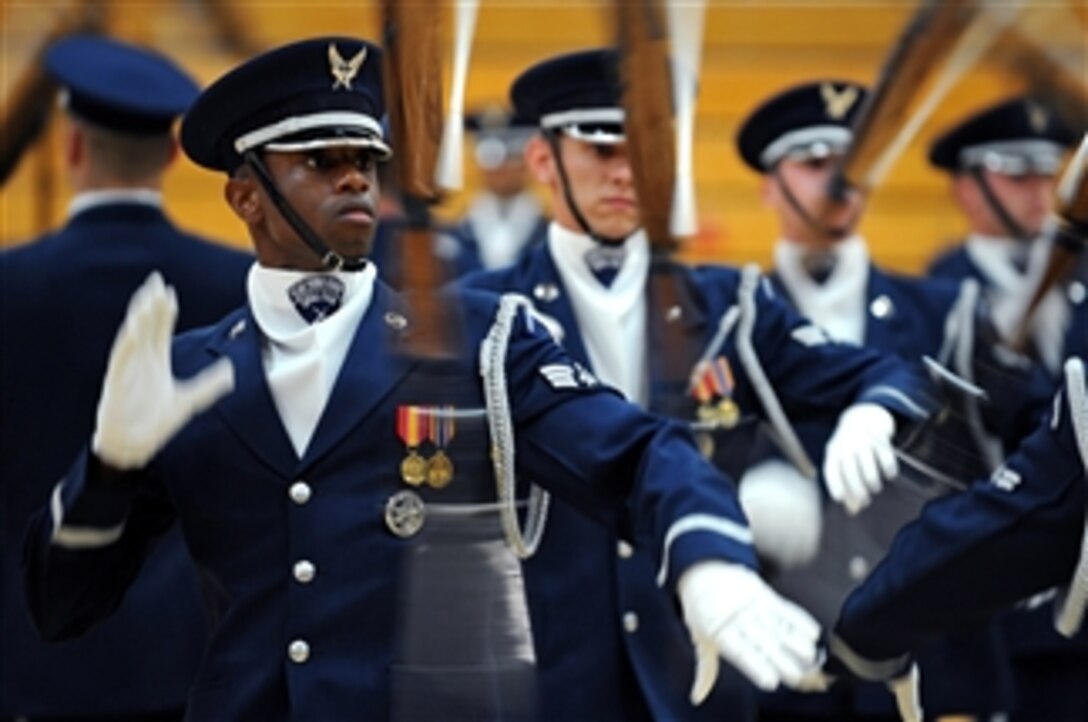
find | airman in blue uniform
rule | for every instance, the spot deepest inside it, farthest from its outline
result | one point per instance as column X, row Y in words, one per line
column 710, row 346
column 317, row 462
column 505, row 218
column 61, row 298
column 823, row 267
column 1022, row 532
column 1003, row 164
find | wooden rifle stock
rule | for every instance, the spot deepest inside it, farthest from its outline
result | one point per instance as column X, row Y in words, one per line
column 928, row 38
column 412, row 79
column 647, row 99
column 412, row 75
column 28, row 105
column 1067, row 239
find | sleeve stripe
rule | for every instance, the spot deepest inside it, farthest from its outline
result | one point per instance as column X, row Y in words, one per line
column 894, row 393
column 79, row 537
column 1071, row 609
column 700, row 522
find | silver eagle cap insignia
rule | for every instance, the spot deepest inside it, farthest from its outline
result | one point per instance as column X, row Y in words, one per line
column 344, row 71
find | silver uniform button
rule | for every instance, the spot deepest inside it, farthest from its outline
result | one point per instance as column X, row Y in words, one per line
column 858, row 568
column 395, row 321
column 630, row 622
column 298, row 651
column 404, row 514
column 625, row 550
column 304, row 571
column 300, row 492
column 1077, row 293
column 545, row 292
column 882, row 307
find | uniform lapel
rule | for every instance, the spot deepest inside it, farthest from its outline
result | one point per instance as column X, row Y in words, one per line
column 551, row 298
column 374, row 365
column 780, row 290
column 249, row 410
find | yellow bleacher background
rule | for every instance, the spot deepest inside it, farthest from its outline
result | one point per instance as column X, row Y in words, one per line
column 751, row 50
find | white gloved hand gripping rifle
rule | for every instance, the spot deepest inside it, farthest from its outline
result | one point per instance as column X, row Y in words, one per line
column 142, row 405
column 731, row 613
column 860, row 455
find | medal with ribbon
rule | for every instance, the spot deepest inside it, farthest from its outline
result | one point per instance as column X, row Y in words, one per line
column 412, row 425
column 442, row 428
column 712, row 386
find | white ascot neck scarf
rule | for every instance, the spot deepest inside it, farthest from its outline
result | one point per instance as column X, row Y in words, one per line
column 838, row 304
column 303, row 360
column 996, row 259
column 612, row 318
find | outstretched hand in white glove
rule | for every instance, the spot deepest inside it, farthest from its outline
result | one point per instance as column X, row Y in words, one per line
column 860, row 455
column 731, row 613
column 142, row 404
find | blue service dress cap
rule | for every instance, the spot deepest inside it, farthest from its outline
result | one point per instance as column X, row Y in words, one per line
column 1015, row 136
column 812, row 119
column 310, row 94
column 577, row 93
column 118, row 86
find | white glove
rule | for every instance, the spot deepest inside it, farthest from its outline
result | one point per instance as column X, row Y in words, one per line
column 730, row 612
column 142, row 404
column 907, row 691
column 784, row 512
column 860, row 455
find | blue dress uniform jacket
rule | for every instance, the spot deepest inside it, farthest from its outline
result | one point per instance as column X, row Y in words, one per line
column 974, row 553
column 903, row 316
column 907, row 317
column 62, row 298
column 1042, row 656
column 590, row 596
column 957, row 263
column 232, row 479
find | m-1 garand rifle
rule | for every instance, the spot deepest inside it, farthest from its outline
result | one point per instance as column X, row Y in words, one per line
column 412, row 80
column 942, row 40
column 1066, row 237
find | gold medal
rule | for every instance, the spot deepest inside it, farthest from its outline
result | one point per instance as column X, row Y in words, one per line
column 441, row 431
column 707, row 413
column 727, row 412
column 712, row 386
column 411, row 428
column 414, row 469
column 439, row 470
